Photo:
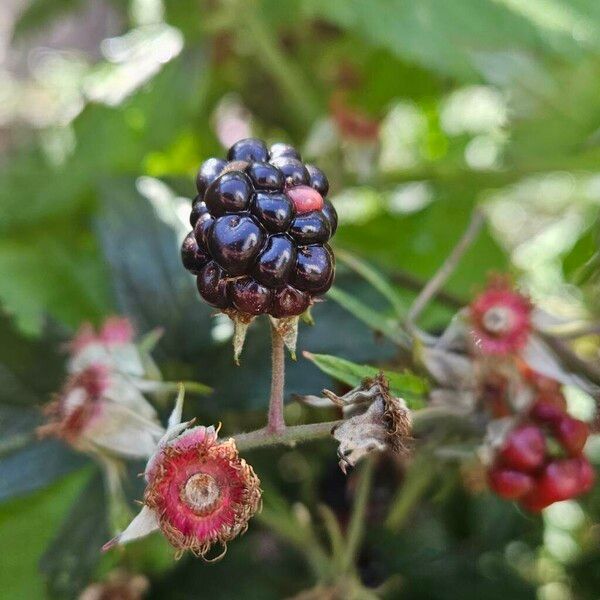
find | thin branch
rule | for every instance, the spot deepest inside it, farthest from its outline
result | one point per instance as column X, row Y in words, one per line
column 571, row 360
column 290, row 436
column 410, row 282
column 298, row 434
column 276, row 422
column 439, row 279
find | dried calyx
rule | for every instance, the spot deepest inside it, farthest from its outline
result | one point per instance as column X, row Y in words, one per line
column 374, row 421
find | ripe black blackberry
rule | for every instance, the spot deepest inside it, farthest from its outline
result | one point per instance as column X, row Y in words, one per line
column 261, row 226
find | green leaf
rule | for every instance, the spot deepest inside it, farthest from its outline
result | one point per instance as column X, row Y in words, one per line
column 110, row 140
column 448, row 36
column 375, row 278
column 45, row 223
column 35, row 466
column 71, row 556
column 406, row 385
column 191, row 387
column 26, row 526
column 30, row 369
column 375, row 320
column 73, row 287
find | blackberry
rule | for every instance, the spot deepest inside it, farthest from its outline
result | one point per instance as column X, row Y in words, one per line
column 229, row 192
column 212, row 285
column 317, row 180
column 261, row 226
column 235, row 241
column 208, row 172
column 293, row 170
column 265, row 176
column 276, row 261
column 314, row 269
column 311, row 228
column 199, row 211
column 281, row 149
column 274, row 211
column 192, row 257
column 331, row 215
column 249, row 149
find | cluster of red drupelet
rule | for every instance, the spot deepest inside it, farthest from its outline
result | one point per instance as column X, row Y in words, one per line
column 541, row 460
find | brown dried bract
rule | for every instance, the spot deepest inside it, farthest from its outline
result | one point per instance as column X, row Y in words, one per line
column 375, row 421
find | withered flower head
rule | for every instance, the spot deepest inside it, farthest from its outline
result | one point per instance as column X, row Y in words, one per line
column 98, row 413
column 113, row 345
column 374, row 421
column 500, row 318
column 77, row 406
column 199, row 491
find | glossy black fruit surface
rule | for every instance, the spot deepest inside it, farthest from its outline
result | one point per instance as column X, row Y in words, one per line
column 199, row 210
column 294, row 171
column 314, row 269
column 310, row 228
column 202, row 230
column 249, row 296
column 265, row 176
column 281, row 149
column 330, row 214
column 261, row 224
column 274, row 211
column 275, row 262
column 208, row 172
column 289, row 301
column 317, row 180
column 212, row 285
column 234, row 242
column 250, row 150
column 192, row 257
column 230, row 192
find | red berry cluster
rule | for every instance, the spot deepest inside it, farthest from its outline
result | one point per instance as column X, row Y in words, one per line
column 541, row 461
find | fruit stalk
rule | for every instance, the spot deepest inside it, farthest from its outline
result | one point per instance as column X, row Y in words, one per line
column 297, row 434
column 276, row 421
column 289, row 437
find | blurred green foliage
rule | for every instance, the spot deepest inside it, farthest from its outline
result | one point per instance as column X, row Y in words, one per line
column 490, row 102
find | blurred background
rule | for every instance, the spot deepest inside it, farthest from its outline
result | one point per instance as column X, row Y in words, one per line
column 417, row 111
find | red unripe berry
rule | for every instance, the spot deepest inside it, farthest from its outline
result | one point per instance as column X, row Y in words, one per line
column 560, row 480
column 572, row 434
column 534, row 503
column 548, row 409
column 509, row 484
column 587, row 475
column 524, row 448
column 305, row 198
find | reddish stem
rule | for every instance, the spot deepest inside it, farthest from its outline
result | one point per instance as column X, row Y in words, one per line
column 276, row 422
